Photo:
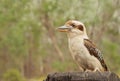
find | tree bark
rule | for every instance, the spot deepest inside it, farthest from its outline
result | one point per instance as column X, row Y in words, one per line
column 83, row 76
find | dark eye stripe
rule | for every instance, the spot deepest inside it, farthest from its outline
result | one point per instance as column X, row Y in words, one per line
column 80, row 27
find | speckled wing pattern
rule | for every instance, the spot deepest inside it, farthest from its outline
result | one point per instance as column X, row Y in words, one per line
column 95, row 52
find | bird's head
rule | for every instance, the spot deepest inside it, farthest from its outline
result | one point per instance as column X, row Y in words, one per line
column 74, row 28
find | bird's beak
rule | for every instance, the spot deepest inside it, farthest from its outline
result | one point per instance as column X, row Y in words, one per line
column 63, row 28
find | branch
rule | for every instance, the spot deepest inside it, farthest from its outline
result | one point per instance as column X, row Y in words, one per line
column 83, row 76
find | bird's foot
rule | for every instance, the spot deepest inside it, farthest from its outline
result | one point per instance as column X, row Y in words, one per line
column 96, row 70
column 87, row 71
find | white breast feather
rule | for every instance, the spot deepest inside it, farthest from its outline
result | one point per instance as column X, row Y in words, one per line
column 76, row 46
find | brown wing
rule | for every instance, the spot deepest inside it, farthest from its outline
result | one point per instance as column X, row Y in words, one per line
column 95, row 52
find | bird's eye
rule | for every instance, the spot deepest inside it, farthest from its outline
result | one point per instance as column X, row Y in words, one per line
column 72, row 25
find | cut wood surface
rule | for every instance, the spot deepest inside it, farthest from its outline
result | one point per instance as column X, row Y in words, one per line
column 83, row 76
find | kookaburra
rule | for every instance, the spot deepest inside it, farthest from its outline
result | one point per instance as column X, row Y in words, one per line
column 84, row 52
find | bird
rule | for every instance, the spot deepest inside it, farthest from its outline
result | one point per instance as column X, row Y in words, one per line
column 83, row 51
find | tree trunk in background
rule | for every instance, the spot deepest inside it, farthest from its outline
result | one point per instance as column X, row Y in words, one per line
column 29, row 68
column 48, row 25
column 4, row 60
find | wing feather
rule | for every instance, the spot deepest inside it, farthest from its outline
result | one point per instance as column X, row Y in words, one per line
column 95, row 52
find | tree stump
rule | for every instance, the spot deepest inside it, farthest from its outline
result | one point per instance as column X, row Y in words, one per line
column 83, row 76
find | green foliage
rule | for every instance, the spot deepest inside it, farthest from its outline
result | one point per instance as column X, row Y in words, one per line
column 111, row 50
column 63, row 66
column 13, row 75
column 59, row 65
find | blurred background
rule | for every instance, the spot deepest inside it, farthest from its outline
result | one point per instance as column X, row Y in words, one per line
column 31, row 48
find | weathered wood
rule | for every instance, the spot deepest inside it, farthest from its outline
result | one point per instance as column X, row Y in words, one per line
column 83, row 76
